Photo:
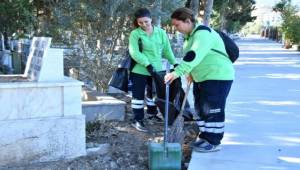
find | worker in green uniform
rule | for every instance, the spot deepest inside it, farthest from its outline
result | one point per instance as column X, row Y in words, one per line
column 212, row 74
column 155, row 45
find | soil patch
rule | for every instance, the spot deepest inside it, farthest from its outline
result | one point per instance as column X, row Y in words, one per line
column 128, row 148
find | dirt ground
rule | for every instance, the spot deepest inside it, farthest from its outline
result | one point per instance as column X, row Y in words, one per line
column 127, row 147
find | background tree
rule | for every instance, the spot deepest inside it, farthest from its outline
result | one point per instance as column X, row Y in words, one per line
column 100, row 30
column 17, row 16
column 232, row 15
column 253, row 27
column 227, row 15
column 161, row 10
column 207, row 12
column 290, row 22
column 96, row 30
column 193, row 5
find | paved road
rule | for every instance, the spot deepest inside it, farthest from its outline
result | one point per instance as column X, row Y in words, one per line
column 263, row 112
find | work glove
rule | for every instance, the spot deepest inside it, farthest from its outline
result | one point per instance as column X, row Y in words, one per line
column 150, row 69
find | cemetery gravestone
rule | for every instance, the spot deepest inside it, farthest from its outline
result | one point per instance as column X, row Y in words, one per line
column 37, row 51
column 41, row 117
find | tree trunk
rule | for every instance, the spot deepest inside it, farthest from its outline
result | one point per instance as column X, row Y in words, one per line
column 207, row 12
column 195, row 7
column 223, row 16
column 158, row 18
column 287, row 44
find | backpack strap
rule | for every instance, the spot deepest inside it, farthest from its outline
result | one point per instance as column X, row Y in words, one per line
column 131, row 62
column 203, row 27
column 140, row 43
column 220, row 52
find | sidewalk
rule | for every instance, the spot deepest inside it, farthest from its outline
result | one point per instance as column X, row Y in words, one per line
column 263, row 112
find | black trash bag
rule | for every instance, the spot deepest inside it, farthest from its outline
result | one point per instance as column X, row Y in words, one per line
column 120, row 79
column 127, row 62
column 188, row 112
column 176, row 96
column 160, row 87
column 173, row 110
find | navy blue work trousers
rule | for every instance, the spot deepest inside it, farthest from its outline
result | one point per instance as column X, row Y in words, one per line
column 140, row 83
column 210, row 100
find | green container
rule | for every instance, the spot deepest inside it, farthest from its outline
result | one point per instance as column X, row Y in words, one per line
column 171, row 160
column 17, row 63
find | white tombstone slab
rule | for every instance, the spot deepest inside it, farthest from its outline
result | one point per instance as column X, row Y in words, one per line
column 41, row 117
column 44, row 63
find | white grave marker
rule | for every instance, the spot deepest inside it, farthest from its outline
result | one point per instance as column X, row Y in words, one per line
column 38, row 49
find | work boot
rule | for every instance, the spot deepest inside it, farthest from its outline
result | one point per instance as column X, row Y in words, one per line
column 139, row 125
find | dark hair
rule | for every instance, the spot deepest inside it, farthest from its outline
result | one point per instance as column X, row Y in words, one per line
column 142, row 12
column 183, row 14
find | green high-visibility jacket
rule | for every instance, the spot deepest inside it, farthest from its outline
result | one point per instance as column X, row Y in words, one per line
column 155, row 47
column 202, row 62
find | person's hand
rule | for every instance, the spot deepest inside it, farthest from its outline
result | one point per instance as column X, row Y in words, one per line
column 169, row 77
column 189, row 79
column 175, row 65
column 150, row 69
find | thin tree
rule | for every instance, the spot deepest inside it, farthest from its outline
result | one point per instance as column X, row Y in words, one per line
column 232, row 15
column 207, row 12
column 193, row 5
column 222, row 15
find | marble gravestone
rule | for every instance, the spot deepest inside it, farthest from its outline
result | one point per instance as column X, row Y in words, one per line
column 40, row 116
column 37, row 51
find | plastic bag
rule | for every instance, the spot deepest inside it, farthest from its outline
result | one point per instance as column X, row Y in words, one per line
column 176, row 95
column 160, row 86
column 127, row 62
column 120, row 80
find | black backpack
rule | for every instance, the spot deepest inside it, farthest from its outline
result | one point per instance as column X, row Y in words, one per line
column 232, row 49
